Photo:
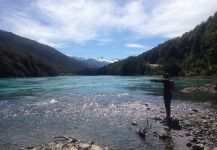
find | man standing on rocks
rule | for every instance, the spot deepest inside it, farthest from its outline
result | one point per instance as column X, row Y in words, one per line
column 169, row 85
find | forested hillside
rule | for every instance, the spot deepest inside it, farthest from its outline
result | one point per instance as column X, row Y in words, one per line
column 17, row 65
column 24, row 57
column 192, row 54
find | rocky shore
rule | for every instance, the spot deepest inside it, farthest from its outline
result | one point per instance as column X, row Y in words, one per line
column 200, row 128
column 208, row 88
column 197, row 127
column 66, row 143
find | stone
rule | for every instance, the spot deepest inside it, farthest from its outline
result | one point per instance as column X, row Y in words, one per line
column 189, row 144
column 73, row 148
column 95, row 147
column 188, row 134
column 164, row 136
column 60, row 138
column 91, row 142
column 198, row 147
column 52, row 145
column 194, row 140
column 174, row 124
column 134, row 124
column 84, row 146
column 59, row 145
column 194, row 110
column 30, row 147
column 72, row 140
column 146, row 104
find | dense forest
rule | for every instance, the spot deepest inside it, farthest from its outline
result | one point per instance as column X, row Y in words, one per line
column 18, row 65
column 21, row 57
column 192, row 54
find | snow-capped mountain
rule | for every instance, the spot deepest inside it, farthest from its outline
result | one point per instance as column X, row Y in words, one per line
column 95, row 63
column 102, row 59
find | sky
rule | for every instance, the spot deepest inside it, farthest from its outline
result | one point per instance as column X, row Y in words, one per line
column 113, row 29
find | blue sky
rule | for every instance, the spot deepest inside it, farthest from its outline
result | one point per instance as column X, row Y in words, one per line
column 107, row 28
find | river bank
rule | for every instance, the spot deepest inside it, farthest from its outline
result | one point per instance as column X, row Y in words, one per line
column 193, row 128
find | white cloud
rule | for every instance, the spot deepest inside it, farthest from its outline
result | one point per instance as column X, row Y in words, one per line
column 57, row 23
column 103, row 41
column 134, row 45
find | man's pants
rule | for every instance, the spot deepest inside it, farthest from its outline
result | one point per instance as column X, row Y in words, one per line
column 167, row 102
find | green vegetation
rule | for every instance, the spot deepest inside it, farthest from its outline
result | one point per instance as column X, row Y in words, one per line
column 17, row 65
column 193, row 54
column 21, row 57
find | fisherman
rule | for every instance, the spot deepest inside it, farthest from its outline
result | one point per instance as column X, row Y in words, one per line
column 169, row 85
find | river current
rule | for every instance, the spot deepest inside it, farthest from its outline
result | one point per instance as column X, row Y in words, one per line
column 97, row 108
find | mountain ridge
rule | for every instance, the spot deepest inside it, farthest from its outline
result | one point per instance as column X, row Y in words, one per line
column 192, row 54
column 23, row 48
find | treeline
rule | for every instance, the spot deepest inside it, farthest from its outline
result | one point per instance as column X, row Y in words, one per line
column 192, row 54
column 17, row 65
column 22, row 57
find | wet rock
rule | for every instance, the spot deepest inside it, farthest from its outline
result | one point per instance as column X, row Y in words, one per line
column 158, row 118
column 73, row 140
column 95, row 147
column 64, row 143
column 164, row 136
column 141, row 132
column 194, row 140
column 146, row 104
column 134, row 124
column 60, row 138
column 194, row 110
column 84, row 146
column 188, row 134
column 198, row 147
column 189, row 144
column 174, row 124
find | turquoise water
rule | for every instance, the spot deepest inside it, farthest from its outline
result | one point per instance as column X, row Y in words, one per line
column 98, row 108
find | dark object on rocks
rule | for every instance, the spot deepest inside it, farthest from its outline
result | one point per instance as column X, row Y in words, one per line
column 142, row 131
column 134, row 124
column 194, row 140
column 158, row 118
column 174, row 124
column 189, row 144
column 60, row 138
column 146, row 104
column 148, row 108
column 194, row 110
column 198, row 147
